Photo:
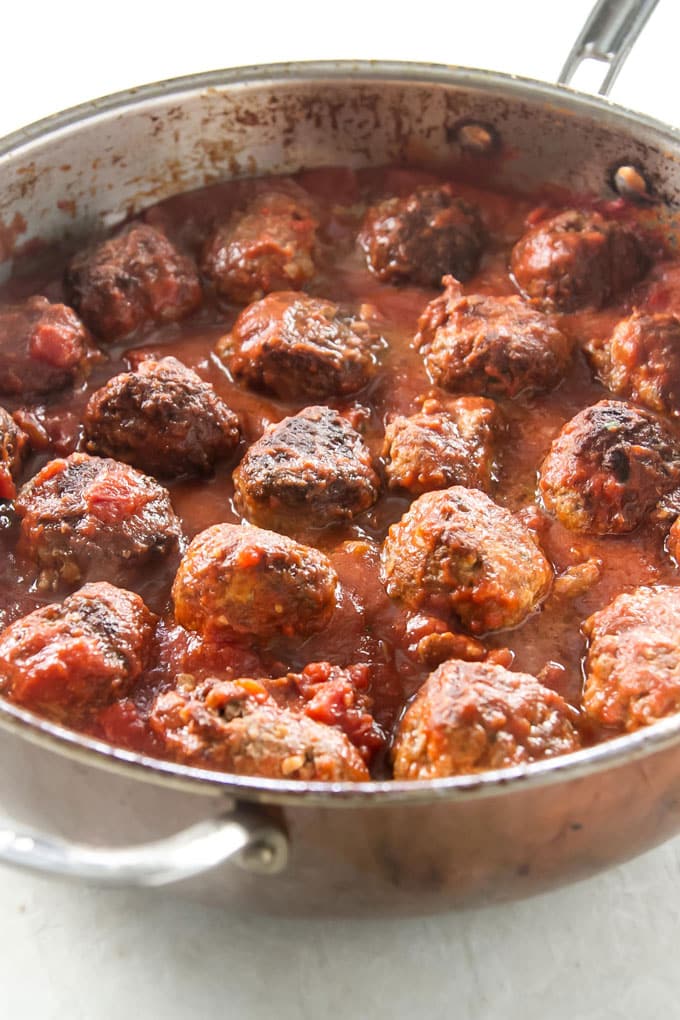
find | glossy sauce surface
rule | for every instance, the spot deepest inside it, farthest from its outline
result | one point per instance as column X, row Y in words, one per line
column 367, row 627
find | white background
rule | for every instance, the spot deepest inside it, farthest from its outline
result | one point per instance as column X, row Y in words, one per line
column 602, row 950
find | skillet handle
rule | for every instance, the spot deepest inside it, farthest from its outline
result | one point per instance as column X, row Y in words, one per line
column 245, row 836
column 608, row 36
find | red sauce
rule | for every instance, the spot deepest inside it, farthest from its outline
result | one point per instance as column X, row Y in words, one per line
column 367, row 627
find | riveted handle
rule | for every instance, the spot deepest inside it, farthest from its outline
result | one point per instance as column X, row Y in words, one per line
column 245, row 836
column 608, row 36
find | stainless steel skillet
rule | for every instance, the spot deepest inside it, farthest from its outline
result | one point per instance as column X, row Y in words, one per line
column 315, row 847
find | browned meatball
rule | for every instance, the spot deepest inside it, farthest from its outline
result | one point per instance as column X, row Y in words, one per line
column 162, row 418
column 577, row 260
column 335, row 696
column 495, row 345
column 608, row 467
column 633, row 663
column 132, row 280
column 641, row 360
column 312, row 469
column 293, row 346
column 79, row 655
column 451, row 443
column 457, row 552
column 95, row 518
column 249, row 581
column 270, row 246
column 472, row 716
column 228, row 727
column 43, row 347
column 13, row 451
column 420, row 238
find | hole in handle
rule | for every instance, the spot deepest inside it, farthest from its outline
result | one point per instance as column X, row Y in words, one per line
column 629, row 182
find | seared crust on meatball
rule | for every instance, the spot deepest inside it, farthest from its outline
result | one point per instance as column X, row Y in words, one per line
column 232, row 727
column 494, row 345
column 457, row 552
column 79, row 655
column 13, row 450
column 132, row 280
column 447, row 443
column 242, row 579
column 270, row 246
column 312, row 469
column 633, row 663
column 641, row 360
column 472, row 716
column 43, row 347
column 89, row 517
column 608, row 467
column 420, row 238
column 293, row 346
column 577, row 260
column 162, row 418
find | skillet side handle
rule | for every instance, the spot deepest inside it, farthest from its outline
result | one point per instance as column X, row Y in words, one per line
column 608, row 36
column 245, row 836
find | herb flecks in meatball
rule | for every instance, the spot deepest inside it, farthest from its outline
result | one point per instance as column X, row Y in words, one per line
column 472, row 716
column 421, row 238
column 456, row 552
column 161, row 418
column 447, row 443
column 493, row 345
column 269, row 246
column 296, row 346
column 249, row 581
column 577, row 260
column 75, row 657
column 633, row 663
column 14, row 445
column 641, row 361
column 90, row 517
column 310, row 470
column 135, row 279
column 43, row 347
column 608, row 468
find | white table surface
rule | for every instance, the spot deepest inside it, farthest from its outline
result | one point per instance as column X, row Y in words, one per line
column 601, row 950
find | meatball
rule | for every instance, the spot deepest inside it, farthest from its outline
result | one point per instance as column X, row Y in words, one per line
column 641, row 360
column 494, row 345
column 608, row 467
column 472, row 716
column 237, row 578
column 457, row 552
column 43, row 347
column 132, row 280
column 577, row 260
column 92, row 517
column 13, row 450
column 633, row 663
column 335, row 696
column 231, row 728
column 420, row 238
column 445, row 444
column 162, row 418
column 294, row 346
column 79, row 655
column 312, row 469
column 268, row 247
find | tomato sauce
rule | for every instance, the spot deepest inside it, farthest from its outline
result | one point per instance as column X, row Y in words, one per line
column 367, row 626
